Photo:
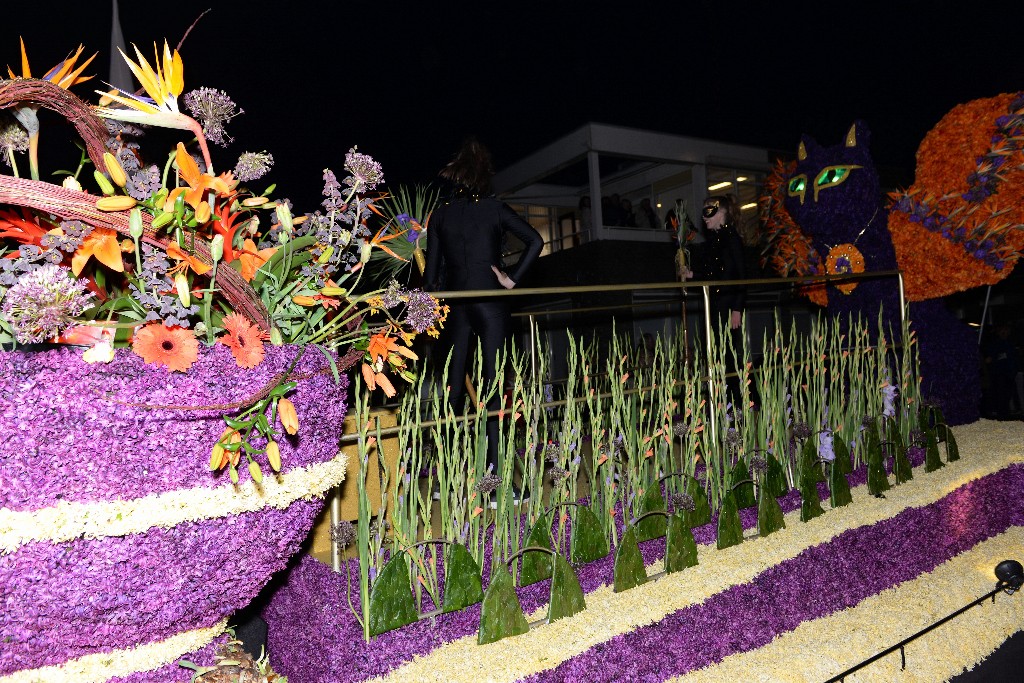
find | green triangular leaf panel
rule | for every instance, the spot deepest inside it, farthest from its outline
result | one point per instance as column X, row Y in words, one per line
column 680, row 548
column 566, row 594
column 775, row 477
column 501, row 615
column 925, row 418
column 952, row 450
column 932, row 461
column 730, row 528
column 842, row 451
column 537, row 566
column 589, row 541
column 769, row 514
column 839, row 488
column 462, row 585
column 629, row 563
column 938, row 419
column 744, row 493
column 878, row 480
column 391, row 602
column 810, row 504
column 701, row 514
column 653, row 526
column 902, row 470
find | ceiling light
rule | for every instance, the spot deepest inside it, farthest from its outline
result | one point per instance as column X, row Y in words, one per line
column 719, row 186
column 741, row 179
column 751, row 205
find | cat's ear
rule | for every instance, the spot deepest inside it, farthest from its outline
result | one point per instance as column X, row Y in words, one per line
column 806, row 143
column 858, row 135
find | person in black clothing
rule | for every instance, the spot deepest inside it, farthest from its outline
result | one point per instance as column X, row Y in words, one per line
column 463, row 253
column 721, row 257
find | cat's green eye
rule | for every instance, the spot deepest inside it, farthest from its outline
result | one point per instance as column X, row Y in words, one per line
column 830, row 176
column 798, row 186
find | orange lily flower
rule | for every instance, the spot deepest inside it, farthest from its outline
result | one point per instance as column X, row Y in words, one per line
column 199, row 183
column 101, row 243
column 252, row 259
column 289, row 418
column 187, row 260
column 381, row 345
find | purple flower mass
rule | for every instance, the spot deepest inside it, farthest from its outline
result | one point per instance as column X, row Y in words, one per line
column 72, row 433
column 77, row 432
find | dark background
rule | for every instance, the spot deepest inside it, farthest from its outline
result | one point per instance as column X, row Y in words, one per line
column 406, row 81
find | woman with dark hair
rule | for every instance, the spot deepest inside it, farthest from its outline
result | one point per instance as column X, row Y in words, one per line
column 464, row 252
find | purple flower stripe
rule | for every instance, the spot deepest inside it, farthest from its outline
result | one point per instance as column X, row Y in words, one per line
column 314, row 637
column 66, row 600
column 820, row 581
column 65, row 441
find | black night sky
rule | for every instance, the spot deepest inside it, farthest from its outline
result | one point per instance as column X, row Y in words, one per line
column 405, row 82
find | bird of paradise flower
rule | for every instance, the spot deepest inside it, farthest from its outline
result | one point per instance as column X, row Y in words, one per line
column 159, row 107
column 63, row 75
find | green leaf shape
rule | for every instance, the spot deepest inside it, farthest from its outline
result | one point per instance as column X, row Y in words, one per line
column 462, row 584
column 680, row 548
column 842, row 451
column 769, row 514
column 566, row 595
column 589, row 541
column 932, row 461
column 775, row 477
column 838, row 488
column 501, row 615
column 744, row 493
column 810, row 504
column 391, row 601
column 653, row 526
column 952, row 450
column 878, row 480
column 629, row 569
column 701, row 514
column 730, row 528
column 902, row 470
column 537, row 566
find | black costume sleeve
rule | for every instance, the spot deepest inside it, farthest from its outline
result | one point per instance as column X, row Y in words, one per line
column 432, row 272
column 531, row 239
column 735, row 269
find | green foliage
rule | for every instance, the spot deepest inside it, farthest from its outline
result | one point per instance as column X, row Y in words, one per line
column 391, row 601
column 629, row 563
column 730, row 528
column 501, row 615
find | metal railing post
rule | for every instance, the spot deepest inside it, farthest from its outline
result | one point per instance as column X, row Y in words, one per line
column 712, row 393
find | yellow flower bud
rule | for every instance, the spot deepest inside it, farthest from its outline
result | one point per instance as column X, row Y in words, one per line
column 184, row 294
column 303, row 300
column 115, row 170
column 71, row 183
column 334, row 291
column 119, row 203
column 275, row 336
column 274, row 455
column 203, row 212
column 162, row 220
column 255, row 472
column 285, row 216
column 254, row 201
column 289, row 418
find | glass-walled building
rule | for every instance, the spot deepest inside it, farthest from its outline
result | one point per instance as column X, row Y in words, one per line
column 643, row 181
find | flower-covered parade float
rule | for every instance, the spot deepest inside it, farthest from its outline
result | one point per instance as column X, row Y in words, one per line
column 172, row 384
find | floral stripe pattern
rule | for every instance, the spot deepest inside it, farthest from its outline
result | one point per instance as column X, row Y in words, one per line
column 444, row 648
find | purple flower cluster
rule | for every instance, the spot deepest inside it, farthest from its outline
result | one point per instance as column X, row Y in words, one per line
column 314, row 638
column 366, row 173
column 79, row 432
column 44, row 303
column 66, row 600
column 212, row 108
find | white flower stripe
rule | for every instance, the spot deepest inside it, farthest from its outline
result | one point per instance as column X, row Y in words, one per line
column 70, row 520
column 103, row 666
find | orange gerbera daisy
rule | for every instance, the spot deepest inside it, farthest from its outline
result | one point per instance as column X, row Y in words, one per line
column 174, row 347
column 244, row 339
